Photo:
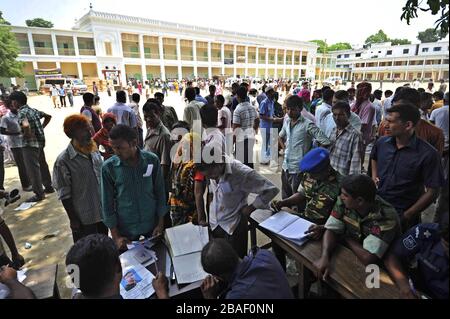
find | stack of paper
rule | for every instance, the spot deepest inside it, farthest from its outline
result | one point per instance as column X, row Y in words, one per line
column 136, row 280
column 288, row 226
column 186, row 243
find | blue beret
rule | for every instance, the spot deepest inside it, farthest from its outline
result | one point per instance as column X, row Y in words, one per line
column 315, row 160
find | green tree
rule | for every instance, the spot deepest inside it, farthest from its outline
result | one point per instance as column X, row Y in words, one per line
column 437, row 7
column 428, row 35
column 323, row 46
column 9, row 50
column 39, row 22
column 339, row 46
column 2, row 20
column 400, row 41
column 378, row 37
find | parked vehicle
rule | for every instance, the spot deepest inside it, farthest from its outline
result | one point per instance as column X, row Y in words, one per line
column 78, row 85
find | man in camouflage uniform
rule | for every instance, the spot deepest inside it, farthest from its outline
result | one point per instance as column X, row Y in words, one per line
column 365, row 223
column 318, row 192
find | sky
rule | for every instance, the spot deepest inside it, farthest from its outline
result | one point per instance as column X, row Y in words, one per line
column 331, row 20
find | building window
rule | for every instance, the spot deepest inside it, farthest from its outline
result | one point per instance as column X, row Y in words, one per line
column 108, row 48
column 424, row 49
column 437, row 49
column 389, row 52
column 339, row 56
column 358, row 55
column 405, row 51
column 346, row 56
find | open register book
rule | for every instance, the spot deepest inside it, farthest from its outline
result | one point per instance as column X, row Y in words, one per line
column 288, row 226
column 185, row 244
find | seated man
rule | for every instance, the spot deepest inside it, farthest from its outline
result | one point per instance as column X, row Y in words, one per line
column 8, row 277
column 428, row 244
column 99, row 268
column 364, row 221
column 256, row 276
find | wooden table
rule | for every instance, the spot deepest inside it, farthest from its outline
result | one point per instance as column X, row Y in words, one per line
column 347, row 274
column 43, row 282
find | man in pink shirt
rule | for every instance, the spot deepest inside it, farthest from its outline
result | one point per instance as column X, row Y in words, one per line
column 305, row 93
column 366, row 112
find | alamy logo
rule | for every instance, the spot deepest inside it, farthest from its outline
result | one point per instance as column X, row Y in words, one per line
column 373, row 277
column 73, row 281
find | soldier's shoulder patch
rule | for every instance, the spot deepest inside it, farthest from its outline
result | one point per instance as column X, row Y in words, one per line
column 409, row 242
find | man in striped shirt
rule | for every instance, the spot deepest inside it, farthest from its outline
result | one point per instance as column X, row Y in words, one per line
column 345, row 142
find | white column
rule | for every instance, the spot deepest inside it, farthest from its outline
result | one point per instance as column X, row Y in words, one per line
column 80, row 70
column 75, row 45
column 267, row 63
column 58, row 65
column 35, row 67
column 246, row 61
column 223, row 58
column 276, row 63
column 292, row 65
column 257, row 62
column 161, row 58
column 209, row 61
column 142, row 54
column 99, row 72
column 234, row 60
column 194, row 53
column 180, row 69
column 284, row 64
column 31, row 43
column 55, row 44
column 123, row 75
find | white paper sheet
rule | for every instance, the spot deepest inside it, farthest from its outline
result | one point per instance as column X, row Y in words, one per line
column 136, row 282
column 188, row 268
column 187, row 238
column 141, row 255
column 25, row 206
column 288, row 226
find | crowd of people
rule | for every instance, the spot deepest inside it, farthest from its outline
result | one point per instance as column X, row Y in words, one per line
column 112, row 180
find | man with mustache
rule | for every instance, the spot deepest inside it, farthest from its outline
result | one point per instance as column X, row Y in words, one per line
column 76, row 175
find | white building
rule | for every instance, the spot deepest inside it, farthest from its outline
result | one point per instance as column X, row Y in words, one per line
column 384, row 61
column 105, row 46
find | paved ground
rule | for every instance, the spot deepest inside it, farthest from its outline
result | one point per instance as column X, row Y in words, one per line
column 48, row 218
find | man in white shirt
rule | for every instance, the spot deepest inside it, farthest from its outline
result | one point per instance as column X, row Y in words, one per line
column 54, row 93
column 324, row 109
column 231, row 182
column 124, row 114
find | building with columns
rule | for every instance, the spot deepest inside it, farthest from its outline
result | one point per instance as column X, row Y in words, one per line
column 385, row 62
column 103, row 43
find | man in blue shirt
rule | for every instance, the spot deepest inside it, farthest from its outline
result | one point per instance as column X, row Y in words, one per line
column 267, row 116
column 406, row 169
column 428, row 244
column 256, row 276
column 200, row 98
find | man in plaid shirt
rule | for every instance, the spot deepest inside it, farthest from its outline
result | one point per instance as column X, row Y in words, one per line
column 33, row 145
column 345, row 142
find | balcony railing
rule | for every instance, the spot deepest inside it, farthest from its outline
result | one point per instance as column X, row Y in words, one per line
column 87, row 51
column 168, row 56
column 216, row 59
column 44, row 51
column 66, row 51
column 151, row 55
column 187, row 57
column 202, row 58
column 128, row 54
column 25, row 50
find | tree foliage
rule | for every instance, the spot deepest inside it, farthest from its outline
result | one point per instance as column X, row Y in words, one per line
column 400, row 41
column 323, row 46
column 428, row 35
column 339, row 46
column 436, row 7
column 2, row 20
column 9, row 50
column 39, row 22
column 378, row 37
